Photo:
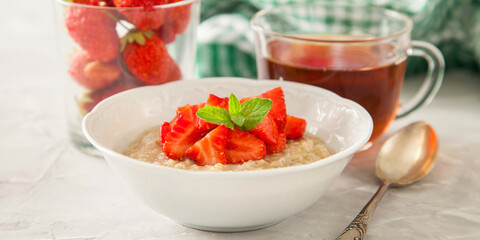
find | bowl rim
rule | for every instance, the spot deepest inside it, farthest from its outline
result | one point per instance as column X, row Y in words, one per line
column 364, row 117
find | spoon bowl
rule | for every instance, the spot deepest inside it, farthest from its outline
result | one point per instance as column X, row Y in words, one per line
column 406, row 157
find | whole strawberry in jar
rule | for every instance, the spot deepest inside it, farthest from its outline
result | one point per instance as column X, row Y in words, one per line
column 109, row 46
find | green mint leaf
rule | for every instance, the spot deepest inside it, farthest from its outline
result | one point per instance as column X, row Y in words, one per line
column 216, row 115
column 235, row 110
column 254, row 111
column 234, row 106
column 239, row 120
column 244, row 116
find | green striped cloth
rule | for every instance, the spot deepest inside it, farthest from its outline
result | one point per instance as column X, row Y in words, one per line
column 225, row 38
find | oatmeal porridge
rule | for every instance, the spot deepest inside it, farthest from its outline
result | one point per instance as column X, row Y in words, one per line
column 300, row 151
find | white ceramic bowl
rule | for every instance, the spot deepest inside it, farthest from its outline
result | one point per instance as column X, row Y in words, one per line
column 226, row 201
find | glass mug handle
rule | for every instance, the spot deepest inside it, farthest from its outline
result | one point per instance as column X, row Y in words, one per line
column 433, row 80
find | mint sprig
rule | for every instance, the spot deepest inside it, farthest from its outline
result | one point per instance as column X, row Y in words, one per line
column 216, row 115
column 244, row 116
column 235, row 110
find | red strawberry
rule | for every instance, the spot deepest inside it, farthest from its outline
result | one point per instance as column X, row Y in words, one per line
column 243, row 146
column 166, row 33
column 189, row 110
column 210, row 150
column 102, row 71
column 90, row 73
column 149, row 62
column 164, row 130
column 77, row 65
column 182, row 135
column 177, row 17
column 94, row 31
column 144, row 18
column 174, row 72
column 91, row 99
column 204, row 126
column 266, row 130
column 295, row 127
column 280, row 143
column 278, row 112
column 214, row 100
column 245, row 99
column 103, row 3
column 100, row 74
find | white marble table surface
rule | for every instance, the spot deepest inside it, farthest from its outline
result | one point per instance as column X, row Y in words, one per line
column 50, row 190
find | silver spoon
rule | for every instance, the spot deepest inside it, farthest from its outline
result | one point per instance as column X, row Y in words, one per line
column 405, row 157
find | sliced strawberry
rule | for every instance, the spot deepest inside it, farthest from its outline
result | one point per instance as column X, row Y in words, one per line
column 212, row 100
column 279, row 110
column 204, row 126
column 189, row 110
column 281, row 143
column 210, row 150
column 243, row 146
column 295, row 127
column 182, row 135
column 164, row 130
column 217, row 101
column 266, row 130
column 245, row 99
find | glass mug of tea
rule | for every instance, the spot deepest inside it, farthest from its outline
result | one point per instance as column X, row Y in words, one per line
column 359, row 52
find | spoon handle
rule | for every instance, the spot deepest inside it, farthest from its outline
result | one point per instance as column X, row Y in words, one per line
column 357, row 229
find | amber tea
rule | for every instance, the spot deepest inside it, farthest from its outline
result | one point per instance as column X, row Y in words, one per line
column 367, row 74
